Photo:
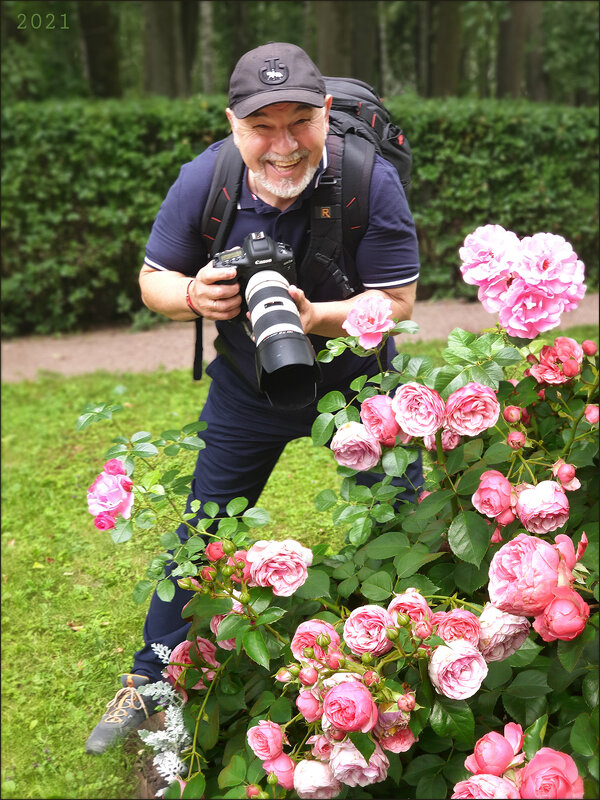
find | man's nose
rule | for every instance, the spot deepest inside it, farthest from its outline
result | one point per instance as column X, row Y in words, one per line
column 285, row 142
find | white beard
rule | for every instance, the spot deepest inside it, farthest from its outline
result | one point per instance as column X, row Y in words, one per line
column 285, row 188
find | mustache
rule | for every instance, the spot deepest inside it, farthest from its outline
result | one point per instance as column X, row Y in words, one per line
column 289, row 159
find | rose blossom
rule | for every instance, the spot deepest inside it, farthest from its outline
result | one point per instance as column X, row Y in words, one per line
column 314, row 779
column 392, row 731
column 543, row 508
column 180, row 657
column 419, row 410
column 501, row 633
column 589, row 347
column 240, row 557
column 516, row 440
column 378, row 418
column 349, row 767
column 353, row 446
column 488, row 254
column 412, row 603
column 306, row 636
column 365, row 630
column 369, row 319
column 280, row 565
column 485, row 786
column 564, row 617
column 214, row 551
column 551, row 774
column 529, row 310
column 309, row 706
column 548, row 259
column 114, row 467
column 111, row 494
column 472, row 409
column 523, row 574
column 591, row 414
column 553, row 360
column 350, row 707
column 493, row 495
column 450, row 440
column 457, row 669
column 494, row 753
column 283, row 767
column 266, row 739
column 104, row 521
column 322, row 746
column 457, row 624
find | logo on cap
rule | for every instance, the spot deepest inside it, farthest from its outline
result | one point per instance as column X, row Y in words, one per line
column 274, row 71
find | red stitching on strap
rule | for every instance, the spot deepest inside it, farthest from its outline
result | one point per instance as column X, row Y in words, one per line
column 226, row 193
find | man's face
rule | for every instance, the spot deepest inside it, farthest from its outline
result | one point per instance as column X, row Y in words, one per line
column 282, row 145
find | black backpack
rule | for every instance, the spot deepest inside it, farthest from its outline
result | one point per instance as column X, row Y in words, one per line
column 359, row 126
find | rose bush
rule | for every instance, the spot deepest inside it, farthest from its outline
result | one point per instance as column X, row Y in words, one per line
column 450, row 648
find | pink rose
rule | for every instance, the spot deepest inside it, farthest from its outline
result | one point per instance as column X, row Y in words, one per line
column 493, row 495
column 419, row 410
column 114, row 467
column 529, row 310
column 412, row 603
column 225, row 644
column 523, row 574
column 549, row 260
column 306, row 636
column 349, row 767
column 457, row 624
column 501, row 634
column 551, row 368
column 322, row 746
column 350, row 707
column 485, row 786
column 355, row 447
column 314, row 779
column 589, row 347
column 309, row 706
column 378, row 418
column 392, row 731
column 365, row 630
column 369, row 319
column 266, row 739
column 591, row 414
column 238, row 558
column 457, row 669
column 397, row 740
column 472, row 409
column 564, row 617
column 566, row 476
column 568, row 349
column 495, row 753
column 104, row 521
column 180, row 659
column 283, row 767
column 214, row 551
column 543, row 508
column 280, row 565
column 488, row 254
column 111, row 494
column 516, row 440
column 551, row 774
column 450, row 440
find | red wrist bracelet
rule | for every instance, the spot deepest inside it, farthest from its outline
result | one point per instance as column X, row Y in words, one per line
column 188, row 299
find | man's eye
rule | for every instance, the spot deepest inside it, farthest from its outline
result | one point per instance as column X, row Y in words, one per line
column 302, row 121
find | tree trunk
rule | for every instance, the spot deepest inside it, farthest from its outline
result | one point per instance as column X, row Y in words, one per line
column 189, row 37
column 511, row 45
column 424, row 71
column 100, row 39
column 364, row 41
column 535, row 76
column 334, row 32
column 207, row 51
column 164, row 70
column 446, row 48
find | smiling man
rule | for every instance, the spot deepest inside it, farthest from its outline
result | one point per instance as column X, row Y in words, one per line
column 279, row 116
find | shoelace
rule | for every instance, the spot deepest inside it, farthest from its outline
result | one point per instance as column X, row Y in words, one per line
column 125, row 700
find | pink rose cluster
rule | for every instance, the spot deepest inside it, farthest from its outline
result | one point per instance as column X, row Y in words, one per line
column 198, row 654
column 110, row 495
column 528, row 282
column 369, row 318
column 558, row 363
column 283, row 566
column 498, row 770
column 529, row 577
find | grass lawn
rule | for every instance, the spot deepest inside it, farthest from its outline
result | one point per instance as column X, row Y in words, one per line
column 69, row 625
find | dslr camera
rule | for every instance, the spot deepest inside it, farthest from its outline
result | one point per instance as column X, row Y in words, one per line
column 286, row 366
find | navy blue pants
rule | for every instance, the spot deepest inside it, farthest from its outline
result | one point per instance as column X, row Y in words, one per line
column 244, row 438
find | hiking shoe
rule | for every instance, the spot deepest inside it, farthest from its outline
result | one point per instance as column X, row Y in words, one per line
column 125, row 712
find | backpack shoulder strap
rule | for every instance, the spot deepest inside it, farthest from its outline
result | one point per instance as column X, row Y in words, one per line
column 217, row 218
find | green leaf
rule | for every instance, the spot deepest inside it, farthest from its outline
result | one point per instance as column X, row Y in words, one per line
column 194, row 787
column 468, row 577
column 377, row 587
column 411, row 560
column 141, row 436
column 256, row 517
column 315, row 586
column 281, row 710
column 346, row 587
column 236, row 506
column 452, row 718
column 232, row 626
column 431, row 787
column 498, row 453
column 255, row 647
column 208, row 731
column 469, row 537
column 387, row 545
column 534, row 736
column 395, row 461
column 332, row 401
column 144, row 450
column 272, row 614
column 583, row 738
column 363, row 743
column 325, row 500
column 210, row 509
column 165, row 590
column 142, row 590
column 528, row 684
column 233, row 774
column 590, row 690
column 322, row 429
column 569, row 653
column 123, row 530
column 421, row 766
column 169, row 540
column 525, row 654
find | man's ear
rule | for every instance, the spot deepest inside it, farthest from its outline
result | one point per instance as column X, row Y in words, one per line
column 233, row 124
column 327, row 109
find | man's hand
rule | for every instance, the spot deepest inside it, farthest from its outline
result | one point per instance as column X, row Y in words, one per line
column 213, row 299
column 305, row 308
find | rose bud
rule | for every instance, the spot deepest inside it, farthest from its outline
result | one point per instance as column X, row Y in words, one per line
column 323, row 640
column 214, row 551
column 406, row 702
column 570, row 368
column 294, row 669
column 423, row 628
column 512, row 414
column 565, row 473
column 227, row 570
column 252, row 791
column 336, row 734
column 591, row 414
column 366, row 658
column 525, row 417
column 272, row 779
column 516, row 439
column 531, row 359
column 392, row 634
column 308, row 652
column 371, row 677
column 402, row 619
column 308, row 675
column 208, row 573
column 228, row 547
column 244, row 598
column 423, row 652
column 541, row 394
column 185, row 583
column 335, row 660
column 589, row 347
column 284, row 675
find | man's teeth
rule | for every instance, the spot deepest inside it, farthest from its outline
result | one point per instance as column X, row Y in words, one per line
column 286, row 164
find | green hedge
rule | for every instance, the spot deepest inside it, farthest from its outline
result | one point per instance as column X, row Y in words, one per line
column 82, row 182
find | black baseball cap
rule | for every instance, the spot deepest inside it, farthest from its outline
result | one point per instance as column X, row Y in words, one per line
column 277, row 72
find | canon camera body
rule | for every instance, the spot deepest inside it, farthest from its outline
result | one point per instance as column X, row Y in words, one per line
column 286, row 366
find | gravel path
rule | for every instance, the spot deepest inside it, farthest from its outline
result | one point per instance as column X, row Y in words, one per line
column 171, row 345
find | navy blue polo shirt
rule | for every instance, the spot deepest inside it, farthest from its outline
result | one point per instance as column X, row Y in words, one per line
column 387, row 256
